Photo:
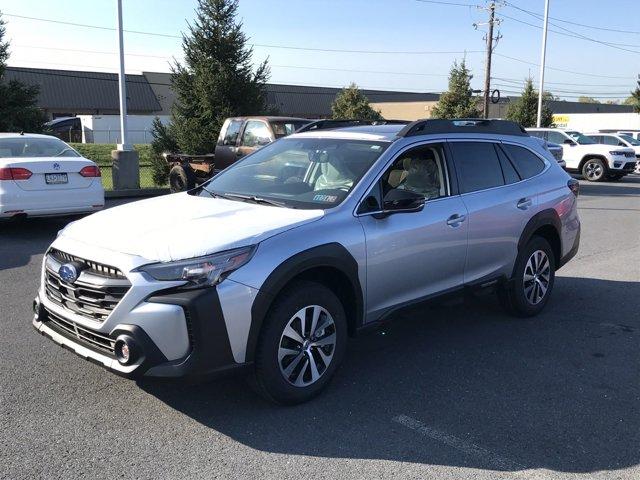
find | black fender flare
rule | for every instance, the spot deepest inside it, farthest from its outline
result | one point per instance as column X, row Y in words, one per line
column 332, row 255
column 545, row 217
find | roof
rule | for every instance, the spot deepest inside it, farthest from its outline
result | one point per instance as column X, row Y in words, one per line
column 73, row 90
column 386, row 133
column 271, row 118
column 24, row 135
column 310, row 100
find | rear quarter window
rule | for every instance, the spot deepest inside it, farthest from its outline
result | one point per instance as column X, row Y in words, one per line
column 525, row 162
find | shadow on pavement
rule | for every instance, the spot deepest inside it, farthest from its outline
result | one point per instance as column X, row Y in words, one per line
column 559, row 392
column 628, row 186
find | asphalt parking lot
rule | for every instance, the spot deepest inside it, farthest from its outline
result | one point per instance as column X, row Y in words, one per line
column 456, row 391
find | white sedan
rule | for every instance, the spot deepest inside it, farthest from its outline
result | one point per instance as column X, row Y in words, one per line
column 41, row 175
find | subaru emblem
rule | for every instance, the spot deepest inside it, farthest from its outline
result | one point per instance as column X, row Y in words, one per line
column 56, row 166
column 68, row 272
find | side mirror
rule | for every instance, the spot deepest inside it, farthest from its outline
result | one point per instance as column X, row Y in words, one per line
column 570, row 142
column 401, row 201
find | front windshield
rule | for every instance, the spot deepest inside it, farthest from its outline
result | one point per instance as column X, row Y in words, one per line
column 580, row 138
column 630, row 140
column 303, row 173
column 25, row 146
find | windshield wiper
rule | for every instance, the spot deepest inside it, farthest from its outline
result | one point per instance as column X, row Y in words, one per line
column 245, row 198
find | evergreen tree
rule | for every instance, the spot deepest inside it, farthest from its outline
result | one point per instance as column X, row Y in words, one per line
column 634, row 100
column 350, row 102
column 217, row 79
column 164, row 142
column 458, row 101
column 525, row 110
column 18, row 102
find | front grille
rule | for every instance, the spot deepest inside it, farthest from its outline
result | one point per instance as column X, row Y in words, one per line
column 92, row 267
column 83, row 335
column 92, row 295
column 629, row 154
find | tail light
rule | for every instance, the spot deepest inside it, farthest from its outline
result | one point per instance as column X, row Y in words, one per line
column 574, row 186
column 10, row 173
column 90, row 171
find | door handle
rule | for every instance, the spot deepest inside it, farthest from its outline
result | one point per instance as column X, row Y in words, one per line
column 524, row 203
column 455, row 220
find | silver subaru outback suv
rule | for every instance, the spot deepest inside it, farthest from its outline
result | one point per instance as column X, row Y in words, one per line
column 272, row 264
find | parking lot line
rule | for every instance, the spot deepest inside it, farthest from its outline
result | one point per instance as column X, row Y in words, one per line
column 459, row 444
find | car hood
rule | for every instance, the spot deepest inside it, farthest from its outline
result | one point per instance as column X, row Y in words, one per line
column 179, row 226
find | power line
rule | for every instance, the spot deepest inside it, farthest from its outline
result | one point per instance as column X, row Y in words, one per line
column 593, row 27
column 456, row 4
column 264, row 45
column 99, row 52
column 572, row 34
column 520, row 81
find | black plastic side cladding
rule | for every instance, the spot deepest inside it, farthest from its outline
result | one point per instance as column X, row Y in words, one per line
column 331, row 255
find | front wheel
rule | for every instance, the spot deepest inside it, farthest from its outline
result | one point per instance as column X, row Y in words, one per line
column 301, row 345
column 527, row 293
column 594, row 170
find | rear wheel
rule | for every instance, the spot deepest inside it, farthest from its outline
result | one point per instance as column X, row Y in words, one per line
column 594, row 170
column 302, row 343
column 527, row 293
column 181, row 179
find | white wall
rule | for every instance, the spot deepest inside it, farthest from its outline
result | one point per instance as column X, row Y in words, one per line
column 589, row 122
column 106, row 128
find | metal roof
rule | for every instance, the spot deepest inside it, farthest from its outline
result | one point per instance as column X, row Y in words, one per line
column 70, row 90
column 316, row 101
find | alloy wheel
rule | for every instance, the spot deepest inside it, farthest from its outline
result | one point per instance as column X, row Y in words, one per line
column 307, row 345
column 594, row 170
column 537, row 276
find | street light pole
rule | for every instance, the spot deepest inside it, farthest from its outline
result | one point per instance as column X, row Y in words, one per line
column 123, row 145
column 542, row 60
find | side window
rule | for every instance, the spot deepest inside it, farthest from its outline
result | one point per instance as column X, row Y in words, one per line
column 478, row 166
column 229, row 132
column 609, row 140
column 596, row 138
column 421, row 170
column 556, row 137
column 539, row 134
column 256, row 133
column 510, row 174
column 527, row 163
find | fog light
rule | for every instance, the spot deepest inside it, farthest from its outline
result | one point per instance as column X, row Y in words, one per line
column 125, row 350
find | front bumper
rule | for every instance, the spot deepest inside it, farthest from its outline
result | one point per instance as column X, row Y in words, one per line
column 209, row 353
column 623, row 166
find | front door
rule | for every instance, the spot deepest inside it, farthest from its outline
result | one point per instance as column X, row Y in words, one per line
column 411, row 256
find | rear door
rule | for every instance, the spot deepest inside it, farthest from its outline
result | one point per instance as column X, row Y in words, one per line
column 499, row 205
column 226, row 148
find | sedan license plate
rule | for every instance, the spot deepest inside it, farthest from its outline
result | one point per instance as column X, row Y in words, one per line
column 55, row 178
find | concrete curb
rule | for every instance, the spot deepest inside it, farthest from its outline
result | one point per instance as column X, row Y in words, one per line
column 142, row 192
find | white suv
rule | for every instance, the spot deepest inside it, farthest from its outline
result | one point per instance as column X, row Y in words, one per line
column 583, row 155
column 619, row 140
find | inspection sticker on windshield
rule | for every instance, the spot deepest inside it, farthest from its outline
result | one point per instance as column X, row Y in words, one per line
column 325, row 198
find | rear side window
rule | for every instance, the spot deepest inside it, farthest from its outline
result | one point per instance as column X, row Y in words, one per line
column 556, row 137
column 526, row 163
column 478, row 166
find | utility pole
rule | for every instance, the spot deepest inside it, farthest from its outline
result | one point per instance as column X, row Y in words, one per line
column 490, row 46
column 125, row 172
column 122, row 86
column 542, row 60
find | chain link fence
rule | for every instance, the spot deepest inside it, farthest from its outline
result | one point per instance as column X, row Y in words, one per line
column 146, row 177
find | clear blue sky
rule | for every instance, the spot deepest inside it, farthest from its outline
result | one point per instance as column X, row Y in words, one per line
column 373, row 25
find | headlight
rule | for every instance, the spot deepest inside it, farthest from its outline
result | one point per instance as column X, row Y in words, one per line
column 201, row 271
column 616, row 152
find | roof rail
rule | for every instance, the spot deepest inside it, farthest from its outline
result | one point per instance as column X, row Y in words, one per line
column 328, row 124
column 462, row 125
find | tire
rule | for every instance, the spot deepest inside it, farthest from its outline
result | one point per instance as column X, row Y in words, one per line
column 181, row 179
column 615, row 177
column 284, row 376
column 594, row 170
column 519, row 295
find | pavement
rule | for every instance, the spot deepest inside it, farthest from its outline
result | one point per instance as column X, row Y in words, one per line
column 454, row 391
